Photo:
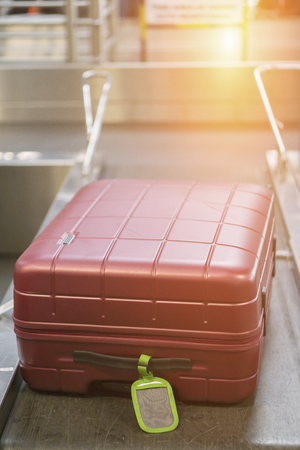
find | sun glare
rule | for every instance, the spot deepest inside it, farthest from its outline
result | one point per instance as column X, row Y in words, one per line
column 230, row 42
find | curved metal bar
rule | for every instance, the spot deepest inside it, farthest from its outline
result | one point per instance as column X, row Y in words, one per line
column 273, row 121
column 93, row 127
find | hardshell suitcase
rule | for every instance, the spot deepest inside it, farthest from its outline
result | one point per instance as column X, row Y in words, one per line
column 164, row 268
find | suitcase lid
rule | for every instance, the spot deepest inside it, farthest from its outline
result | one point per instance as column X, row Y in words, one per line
column 156, row 252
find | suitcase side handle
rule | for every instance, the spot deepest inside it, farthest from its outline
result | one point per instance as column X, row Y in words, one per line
column 120, row 362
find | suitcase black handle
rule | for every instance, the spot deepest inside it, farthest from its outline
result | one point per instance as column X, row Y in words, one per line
column 120, row 362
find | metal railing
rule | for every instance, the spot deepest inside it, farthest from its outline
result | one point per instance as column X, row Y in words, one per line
column 93, row 127
column 67, row 32
column 275, row 123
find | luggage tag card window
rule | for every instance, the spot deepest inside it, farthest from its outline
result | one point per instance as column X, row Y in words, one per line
column 153, row 401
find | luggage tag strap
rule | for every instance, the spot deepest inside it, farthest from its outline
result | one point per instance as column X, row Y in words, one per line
column 143, row 363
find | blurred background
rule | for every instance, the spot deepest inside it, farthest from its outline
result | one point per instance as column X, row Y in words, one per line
column 108, row 30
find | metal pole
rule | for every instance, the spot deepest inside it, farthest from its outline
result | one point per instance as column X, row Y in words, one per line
column 113, row 17
column 143, row 30
column 96, row 32
column 70, row 13
column 245, row 32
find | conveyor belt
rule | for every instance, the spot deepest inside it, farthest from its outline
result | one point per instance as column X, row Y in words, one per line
column 268, row 419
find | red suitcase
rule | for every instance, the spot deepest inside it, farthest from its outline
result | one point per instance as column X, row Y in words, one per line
column 169, row 269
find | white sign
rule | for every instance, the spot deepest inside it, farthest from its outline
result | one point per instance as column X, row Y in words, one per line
column 194, row 12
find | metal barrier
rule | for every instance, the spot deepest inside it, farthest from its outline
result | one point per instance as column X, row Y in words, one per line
column 93, row 127
column 275, row 124
column 80, row 30
column 284, row 167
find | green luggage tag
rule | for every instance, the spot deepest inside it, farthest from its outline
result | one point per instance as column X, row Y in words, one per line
column 153, row 401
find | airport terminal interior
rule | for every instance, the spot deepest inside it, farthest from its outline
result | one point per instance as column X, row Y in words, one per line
column 172, row 97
